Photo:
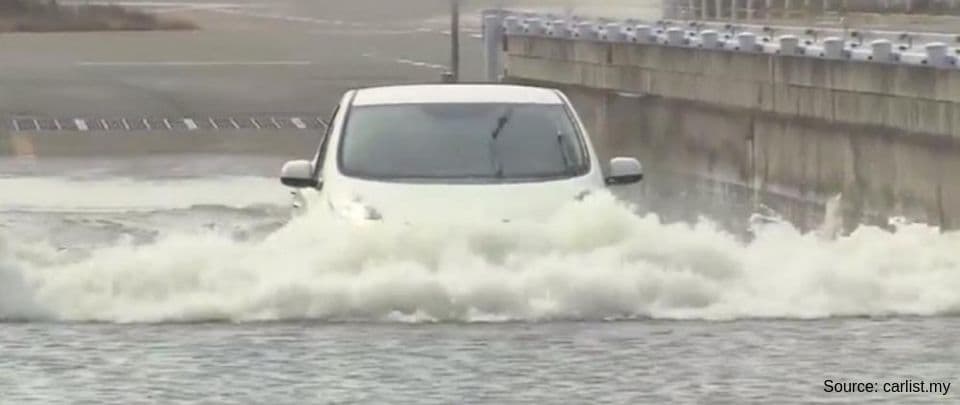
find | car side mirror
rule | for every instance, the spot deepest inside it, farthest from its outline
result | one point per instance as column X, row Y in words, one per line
column 624, row 171
column 298, row 174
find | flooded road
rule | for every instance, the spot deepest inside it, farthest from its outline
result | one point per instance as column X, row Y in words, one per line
column 153, row 280
column 167, row 266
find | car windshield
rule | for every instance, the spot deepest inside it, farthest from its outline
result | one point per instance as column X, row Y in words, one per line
column 495, row 142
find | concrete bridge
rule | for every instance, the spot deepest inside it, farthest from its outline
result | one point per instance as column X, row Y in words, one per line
column 741, row 120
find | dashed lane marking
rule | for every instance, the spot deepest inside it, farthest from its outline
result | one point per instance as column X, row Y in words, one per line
column 297, row 122
column 253, row 122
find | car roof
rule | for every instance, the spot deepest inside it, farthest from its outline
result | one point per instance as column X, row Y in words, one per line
column 455, row 93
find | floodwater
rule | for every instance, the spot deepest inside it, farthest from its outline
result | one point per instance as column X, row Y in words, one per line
column 187, row 279
column 150, row 280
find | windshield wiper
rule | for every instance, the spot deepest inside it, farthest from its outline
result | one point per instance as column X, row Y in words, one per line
column 494, row 137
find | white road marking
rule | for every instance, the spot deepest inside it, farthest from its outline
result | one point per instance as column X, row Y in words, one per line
column 297, row 122
column 420, row 64
column 156, row 4
column 191, row 124
column 57, row 124
column 166, row 123
column 289, row 18
column 255, row 123
column 194, row 63
column 273, row 120
column 126, row 125
column 146, row 124
column 16, row 126
column 36, row 125
column 81, row 125
column 104, row 124
column 408, row 62
column 234, row 123
column 214, row 123
column 185, row 8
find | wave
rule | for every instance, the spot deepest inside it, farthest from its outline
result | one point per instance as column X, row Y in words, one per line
column 592, row 260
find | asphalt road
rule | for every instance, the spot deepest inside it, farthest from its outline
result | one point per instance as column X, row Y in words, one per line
column 290, row 57
column 255, row 67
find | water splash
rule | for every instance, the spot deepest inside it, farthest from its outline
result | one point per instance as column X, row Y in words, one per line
column 593, row 259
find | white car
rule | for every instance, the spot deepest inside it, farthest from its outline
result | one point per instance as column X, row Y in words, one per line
column 422, row 153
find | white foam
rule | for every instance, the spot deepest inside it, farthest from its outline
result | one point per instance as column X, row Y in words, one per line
column 593, row 260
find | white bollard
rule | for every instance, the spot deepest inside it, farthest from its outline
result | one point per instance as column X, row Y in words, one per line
column 534, row 26
column 512, row 25
column 644, row 34
column 708, row 39
column 881, row 51
column 747, row 42
column 675, row 36
column 789, row 45
column 585, row 30
column 833, row 48
column 613, row 32
column 558, row 29
column 937, row 54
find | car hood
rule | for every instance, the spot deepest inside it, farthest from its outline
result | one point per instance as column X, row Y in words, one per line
column 455, row 203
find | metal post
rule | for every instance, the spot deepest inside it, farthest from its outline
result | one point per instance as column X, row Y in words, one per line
column 455, row 40
column 492, row 45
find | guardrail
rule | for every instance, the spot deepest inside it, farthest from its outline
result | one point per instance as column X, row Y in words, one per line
column 935, row 50
column 749, row 9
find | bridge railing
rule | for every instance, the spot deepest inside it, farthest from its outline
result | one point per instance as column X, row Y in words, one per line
column 935, row 50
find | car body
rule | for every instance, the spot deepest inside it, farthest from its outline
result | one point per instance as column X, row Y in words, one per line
column 424, row 153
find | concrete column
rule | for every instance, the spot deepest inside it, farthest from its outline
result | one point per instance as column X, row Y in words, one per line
column 768, row 9
column 750, row 10
column 691, row 13
column 734, row 10
column 703, row 9
column 787, row 10
column 718, row 12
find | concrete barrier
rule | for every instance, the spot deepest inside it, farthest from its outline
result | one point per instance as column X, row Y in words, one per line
column 746, row 123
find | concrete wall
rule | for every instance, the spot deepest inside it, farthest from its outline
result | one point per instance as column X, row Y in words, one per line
column 732, row 132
